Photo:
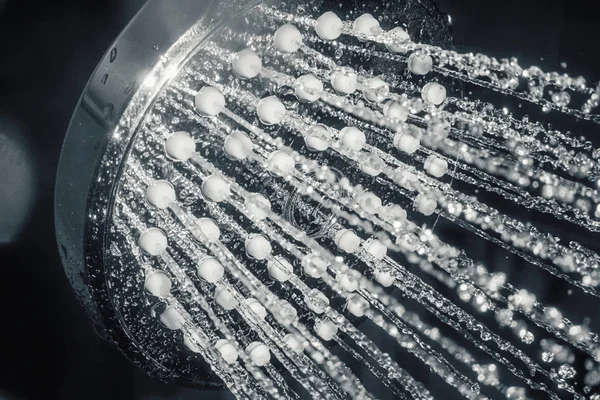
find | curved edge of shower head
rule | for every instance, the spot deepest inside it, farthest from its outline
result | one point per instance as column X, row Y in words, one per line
column 145, row 56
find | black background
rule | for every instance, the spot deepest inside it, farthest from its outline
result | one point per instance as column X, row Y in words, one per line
column 48, row 49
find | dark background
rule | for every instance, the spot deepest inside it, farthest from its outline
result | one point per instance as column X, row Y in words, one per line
column 48, row 49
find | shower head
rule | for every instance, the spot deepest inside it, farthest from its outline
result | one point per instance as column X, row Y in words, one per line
column 252, row 193
column 116, row 103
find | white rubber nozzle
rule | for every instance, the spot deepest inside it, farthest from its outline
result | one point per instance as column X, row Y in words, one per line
column 280, row 163
column 326, row 329
column 436, row 166
column 385, row 278
column 258, row 205
column 259, row 353
column 357, row 305
column 344, row 80
column 285, row 314
column 406, row 142
column 317, row 138
column 425, row 204
column 158, row 283
column 314, row 266
column 227, row 351
column 406, row 179
column 366, row 25
column 393, row 212
column 225, row 298
column 287, row 39
column 347, row 241
column 398, row 36
column 439, row 129
column 216, row 189
column 209, row 101
column 161, row 194
column 376, row 248
column 172, row 319
column 270, row 110
column 376, row 90
column 246, row 63
column 316, row 301
column 329, row 26
column 372, row 165
column 258, row 247
column 153, row 241
column 280, row 269
column 348, row 280
column 433, row 93
column 395, row 111
column 294, row 342
column 308, row 88
column 420, row 64
column 369, row 202
column 180, row 146
column 238, row 145
column 256, row 307
column 206, row 231
column 210, row 269
column 353, row 138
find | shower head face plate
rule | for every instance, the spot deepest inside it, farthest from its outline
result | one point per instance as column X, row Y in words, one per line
column 145, row 94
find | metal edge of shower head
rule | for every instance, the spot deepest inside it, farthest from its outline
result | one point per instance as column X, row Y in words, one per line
column 144, row 57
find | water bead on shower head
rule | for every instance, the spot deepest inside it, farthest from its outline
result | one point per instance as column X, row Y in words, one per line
column 260, row 196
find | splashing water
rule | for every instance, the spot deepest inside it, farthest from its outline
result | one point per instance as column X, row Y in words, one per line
column 303, row 205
